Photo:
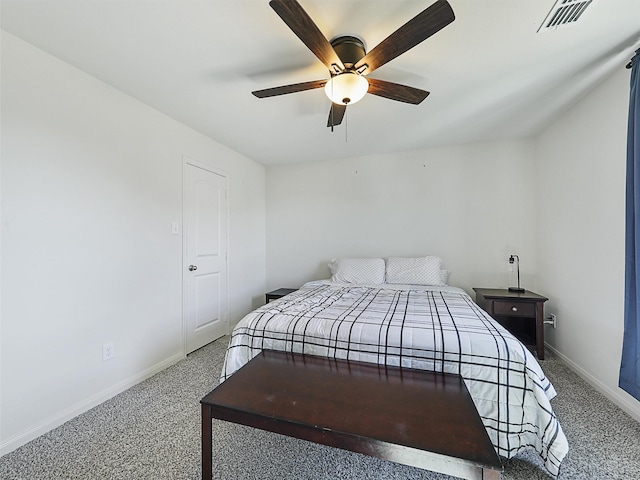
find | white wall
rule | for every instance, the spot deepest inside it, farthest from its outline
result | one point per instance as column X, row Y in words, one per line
column 91, row 181
column 557, row 201
column 471, row 205
column 580, row 198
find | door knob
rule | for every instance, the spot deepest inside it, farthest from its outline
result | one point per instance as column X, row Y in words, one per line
column 193, row 267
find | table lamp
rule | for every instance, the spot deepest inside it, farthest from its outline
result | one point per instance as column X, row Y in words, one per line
column 518, row 289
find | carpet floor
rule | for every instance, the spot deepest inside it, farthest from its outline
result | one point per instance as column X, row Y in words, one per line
column 152, row 431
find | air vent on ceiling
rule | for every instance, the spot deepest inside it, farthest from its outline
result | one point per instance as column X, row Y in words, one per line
column 565, row 12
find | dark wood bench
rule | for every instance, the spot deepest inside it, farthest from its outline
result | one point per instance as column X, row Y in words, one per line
column 418, row 418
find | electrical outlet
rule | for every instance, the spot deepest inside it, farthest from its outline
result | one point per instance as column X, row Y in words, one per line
column 551, row 319
column 107, row 351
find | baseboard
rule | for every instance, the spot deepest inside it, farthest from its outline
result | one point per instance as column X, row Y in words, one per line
column 81, row 407
column 616, row 397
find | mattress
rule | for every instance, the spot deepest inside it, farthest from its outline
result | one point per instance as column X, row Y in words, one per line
column 427, row 327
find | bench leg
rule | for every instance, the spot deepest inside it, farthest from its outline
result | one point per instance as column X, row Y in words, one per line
column 489, row 474
column 206, row 443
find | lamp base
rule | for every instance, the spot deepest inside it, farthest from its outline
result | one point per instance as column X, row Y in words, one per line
column 516, row 289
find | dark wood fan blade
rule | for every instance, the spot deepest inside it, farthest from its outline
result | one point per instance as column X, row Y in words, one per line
column 304, row 27
column 396, row 91
column 293, row 88
column 416, row 30
column 336, row 114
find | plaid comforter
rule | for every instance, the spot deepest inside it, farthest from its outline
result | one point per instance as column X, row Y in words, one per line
column 430, row 328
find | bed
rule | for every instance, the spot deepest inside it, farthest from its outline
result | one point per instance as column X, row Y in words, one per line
column 423, row 323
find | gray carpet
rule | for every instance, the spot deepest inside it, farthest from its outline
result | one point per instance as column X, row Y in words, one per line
column 152, row 431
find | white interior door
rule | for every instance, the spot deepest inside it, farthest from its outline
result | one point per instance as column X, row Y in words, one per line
column 205, row 258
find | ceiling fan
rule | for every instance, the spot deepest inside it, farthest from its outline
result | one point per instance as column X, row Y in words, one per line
column 349, row 63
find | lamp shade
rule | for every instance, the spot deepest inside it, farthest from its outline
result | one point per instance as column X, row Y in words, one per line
column 346, row 88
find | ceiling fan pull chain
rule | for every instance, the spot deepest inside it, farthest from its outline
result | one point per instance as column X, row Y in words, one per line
column 346, row 126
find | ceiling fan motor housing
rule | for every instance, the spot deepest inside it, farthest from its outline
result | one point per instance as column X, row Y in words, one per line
column 347, row 86
column 349, row 48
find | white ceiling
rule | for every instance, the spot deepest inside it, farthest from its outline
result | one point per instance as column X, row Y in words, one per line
column 490, row 74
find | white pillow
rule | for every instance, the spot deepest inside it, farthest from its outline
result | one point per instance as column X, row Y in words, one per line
column 357, row 270
column 414, row 271
column 444, row 276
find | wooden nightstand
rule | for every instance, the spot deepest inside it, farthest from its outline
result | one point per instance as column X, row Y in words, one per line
column 520, row 313
column 280, row 292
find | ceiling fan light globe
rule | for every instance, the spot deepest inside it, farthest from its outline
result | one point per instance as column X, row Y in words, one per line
column 346, row 88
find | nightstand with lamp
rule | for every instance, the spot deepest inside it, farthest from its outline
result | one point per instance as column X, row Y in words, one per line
column 519, row 310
